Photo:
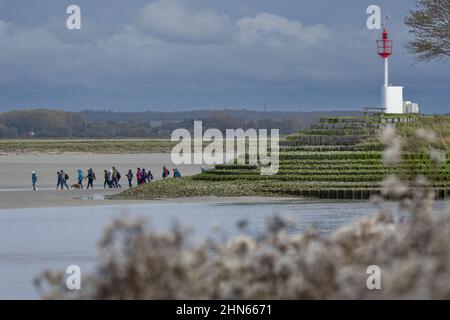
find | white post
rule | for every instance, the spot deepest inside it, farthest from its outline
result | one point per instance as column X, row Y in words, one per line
column 386, row 72
column 384, row 93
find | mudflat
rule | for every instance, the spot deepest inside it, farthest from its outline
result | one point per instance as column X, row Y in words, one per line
column 15, row 176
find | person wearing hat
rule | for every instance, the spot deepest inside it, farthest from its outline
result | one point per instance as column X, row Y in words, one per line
column 34, row 179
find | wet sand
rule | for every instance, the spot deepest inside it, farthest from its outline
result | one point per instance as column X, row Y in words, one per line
column 15, row 177
column 87, row 198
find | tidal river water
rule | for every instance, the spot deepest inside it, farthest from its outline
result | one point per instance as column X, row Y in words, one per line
column 33, row 240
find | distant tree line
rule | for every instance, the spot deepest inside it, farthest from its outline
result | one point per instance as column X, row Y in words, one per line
column 40, row 123
column 43, row 123
column 60, row 124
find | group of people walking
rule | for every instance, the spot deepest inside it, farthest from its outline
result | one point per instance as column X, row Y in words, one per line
column 63, row 178
column 112, row 178
column 142, row 176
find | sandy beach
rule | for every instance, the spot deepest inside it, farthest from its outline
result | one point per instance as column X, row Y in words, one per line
column 15, row 177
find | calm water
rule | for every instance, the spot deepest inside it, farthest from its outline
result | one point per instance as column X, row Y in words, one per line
column 32, row 240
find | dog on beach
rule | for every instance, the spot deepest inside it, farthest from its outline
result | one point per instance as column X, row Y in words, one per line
column 75, row 186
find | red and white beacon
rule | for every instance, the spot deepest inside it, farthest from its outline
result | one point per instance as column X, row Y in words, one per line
column 392, row 96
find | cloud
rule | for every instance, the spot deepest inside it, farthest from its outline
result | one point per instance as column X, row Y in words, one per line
column 172, row 20
column 3, row 26
column 276, row 29
column 177, row 47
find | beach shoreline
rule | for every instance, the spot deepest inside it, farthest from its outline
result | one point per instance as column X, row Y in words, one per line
column 22, row 199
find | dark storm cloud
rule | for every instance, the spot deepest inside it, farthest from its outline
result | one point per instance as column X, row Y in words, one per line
column 174, row 54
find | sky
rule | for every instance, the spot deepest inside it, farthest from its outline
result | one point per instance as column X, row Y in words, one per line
column 170, row 55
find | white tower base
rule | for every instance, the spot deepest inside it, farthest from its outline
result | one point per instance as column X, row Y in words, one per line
column 393, row 99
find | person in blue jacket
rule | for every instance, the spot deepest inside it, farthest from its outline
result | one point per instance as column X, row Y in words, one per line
column 34, row 179
column 80, row 178
column 176, row 173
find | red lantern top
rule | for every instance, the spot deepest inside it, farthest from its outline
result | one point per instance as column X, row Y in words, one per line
column 384, row 46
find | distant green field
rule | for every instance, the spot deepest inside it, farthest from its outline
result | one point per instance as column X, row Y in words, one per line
column 104, row 146
column 88, row 145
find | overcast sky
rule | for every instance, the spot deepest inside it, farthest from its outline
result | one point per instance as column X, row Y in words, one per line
column 190, row 54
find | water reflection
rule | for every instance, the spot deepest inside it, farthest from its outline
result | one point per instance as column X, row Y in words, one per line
column 32, row 240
